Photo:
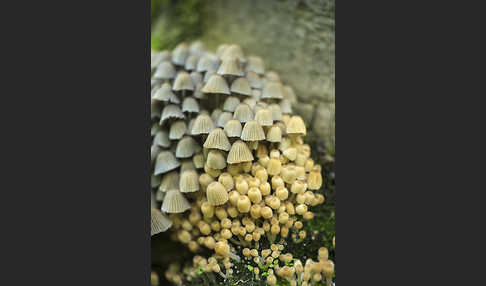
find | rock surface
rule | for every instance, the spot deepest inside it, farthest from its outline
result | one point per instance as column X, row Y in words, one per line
column 296, row 38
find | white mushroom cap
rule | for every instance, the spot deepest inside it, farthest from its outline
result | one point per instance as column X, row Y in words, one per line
column 165, row 71
column 202, row 125
column 216, row 84
column 239, row 153
column 183, row 81
column 186, row 147
column 190, row 105
column 243, row 113
column 272, row 90
column 175, row 202
column 166, row 161
column 233, row 128
column 158, row 222
column 230, row 103
column 252, row 131
column 223, row 118
column 241, row 86
column 177, row 130
column 180, row 54
column 217, row 139
column 189, row 181
column 171, row 111
column 162, row 139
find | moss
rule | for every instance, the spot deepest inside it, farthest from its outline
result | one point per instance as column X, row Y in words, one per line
column 174, row 22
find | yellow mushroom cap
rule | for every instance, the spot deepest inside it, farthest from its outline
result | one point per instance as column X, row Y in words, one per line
column 216, row 194
column 252, row 131
column 239, row 153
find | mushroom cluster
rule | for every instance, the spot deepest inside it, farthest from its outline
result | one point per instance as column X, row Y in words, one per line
column 230, row 167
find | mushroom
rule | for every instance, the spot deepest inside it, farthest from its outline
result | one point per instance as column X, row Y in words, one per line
column 175, row 202
column 241, row 86
column 166, row 161
column 216, row 194
column 217, row 139
column 243, row 113
column 158, row 222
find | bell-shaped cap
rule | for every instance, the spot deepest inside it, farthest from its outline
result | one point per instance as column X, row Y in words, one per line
column 252, row 131
column 202, row 125
column 186, row 147
column 198, row 160
column 272, row 90
column 165, row 162
column 296, row 126
column 239, row 153
column 183, row 81
column 171, row 111
column 189, row 181
column 216, row 84
column 274, row 134
column 233, row 51
column 180, row 54
column 169, row 181
column 243, row 113
column 164, row 93
column 254, row 80
column 207, row 62
column 215, row 114
column 177, row 130
column 255, row 64
column 241, row 86
column 230, row 103
column 162, row 139
column 217, row 139
column 256, row 94
column 216, row 160
column 191, row 62
column 251, row 102
column 165, row 71
column 264, row 117
column 198, row 92
column 190, row 105
column 223, row 118
column 187, row 165
column 208, row 74
column 197, row 78
column 276, row 111
column 216, row 194
column 158, row 222
column 230, row 66
column 175, row 202
column 233, row 128
column 286, row 106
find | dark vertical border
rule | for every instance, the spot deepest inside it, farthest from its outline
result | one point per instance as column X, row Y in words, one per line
column 77, row 159
column 407, row 135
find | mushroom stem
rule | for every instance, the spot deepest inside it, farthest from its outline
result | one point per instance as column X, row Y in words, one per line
column 234, row 256
column 329, row 281
column 235, row 242
column 271, row 237
column 222, row 274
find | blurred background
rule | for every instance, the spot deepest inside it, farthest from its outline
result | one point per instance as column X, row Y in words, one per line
column 294, row 37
